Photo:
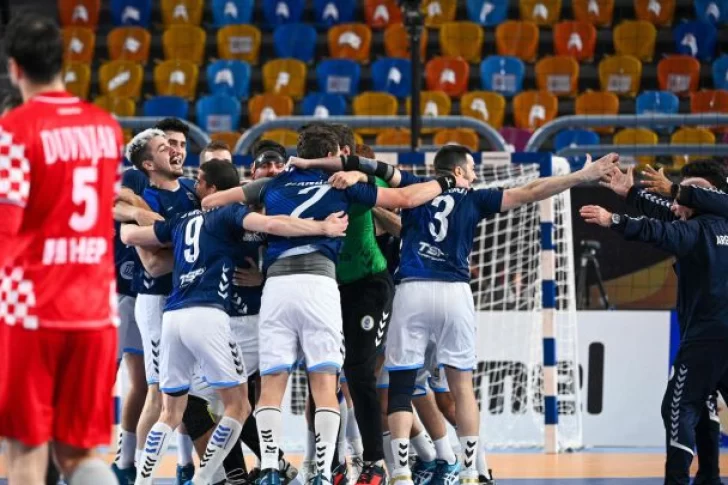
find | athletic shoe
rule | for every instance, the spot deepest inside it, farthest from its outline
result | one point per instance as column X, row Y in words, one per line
column 446, row 474
column 340, row 474
column 254, row 475
column 185, row 473
column 318, row 479
column 269, row 476
column 372, row 474
column 423, row 471
column 126, row 476
column 237, row 477
column 357, row 465
column 288, row 471
column 308, row 470
column 483, row 480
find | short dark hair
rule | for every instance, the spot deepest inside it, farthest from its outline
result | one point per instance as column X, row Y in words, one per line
column 345, row 135
column 268, row 146
column 220, row 173
column 10, row 99
column 316, row 142
column 363, row 150
column 711, row 170
column 451, row 156
column 173, row 124
column 34, row 42
column 214, row 146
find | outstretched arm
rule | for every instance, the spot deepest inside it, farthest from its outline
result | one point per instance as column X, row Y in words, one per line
column 706, row 200
column 145, row 237
column 650, row 204
column 286, row 226
column 417, row 194
column 389, row 173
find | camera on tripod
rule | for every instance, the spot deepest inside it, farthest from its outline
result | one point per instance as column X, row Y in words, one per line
column 588, row 260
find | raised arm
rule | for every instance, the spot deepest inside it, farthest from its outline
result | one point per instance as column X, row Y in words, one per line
column 250, row 193
column 650, row 204
column 286, row 226
column 352, row 163
column 711, row 201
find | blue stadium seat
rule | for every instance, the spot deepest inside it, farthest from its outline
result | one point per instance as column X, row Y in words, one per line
column 229, row 77
column 502, row 74
column 575, row 137
column 131, row 13
column 332, row 12
column 712, row 11
column 232, row 12
column 279, row 12
column 695, row 38
column 218, row 112
column 164, row 106
column 338, row 76
column 393, row 76
column 297, row 41
column 652, row 102
column 323, row 105
column 720, row 72
column 488, row 12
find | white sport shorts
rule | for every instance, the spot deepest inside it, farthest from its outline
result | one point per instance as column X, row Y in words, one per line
column 148, row 311
column 245, row 334
column 130, row 340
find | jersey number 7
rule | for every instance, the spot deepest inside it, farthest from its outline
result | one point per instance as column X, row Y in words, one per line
column 320, row 191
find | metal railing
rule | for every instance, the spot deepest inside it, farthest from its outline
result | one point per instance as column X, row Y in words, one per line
column 637, row 150
column 196, row 134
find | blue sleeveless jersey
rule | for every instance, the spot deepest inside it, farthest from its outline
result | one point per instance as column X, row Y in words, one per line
column 125, row 257
column 245, row 300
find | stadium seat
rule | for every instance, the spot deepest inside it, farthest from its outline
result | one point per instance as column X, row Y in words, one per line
column 331, row 12
column 657, row 102
column 323, row 105
column 128, row 135
column 350, row 41
column 488, row 13
column 393, row 76
column 182, row 12
column 129, row 43
column 597, row 12
column 230, row 138
column 635, row 38
column 231, row 12
column 448, row 74
column 597, row 103
column 502, row 74
column 395, row 137
column 78, row 44
column 486, row 106
column 397, row 43
column 462, row 39
column 184, row 42
column 532, row 109
column 574, row 138
column 695, row 38
column 712, row 11
column 164, row 106
column 176, row 78
column 710, row 101
column 620, row 75
column 460, row 136
column 338, row 76
column 116, row 105
column 679, row 74
column 576, row 39
column 287, row 138
column 439, row 12
column 268, row 106
column 373, row 104
column 540, row 12
column 79, row 13
column 432, row 104
column 280, row 12
column 239, row 43
column 229, row 77
column 517, row 39
column 121, row 78
column 131, row 13
column 295, row 41
column 218, row 112
column 720, row 72
column 381, row 13
column 77, row 78
column 516, row 138
column 558, row 75
column 691, row 136
column 659, row 12
column 636, row 136
column 285, row 76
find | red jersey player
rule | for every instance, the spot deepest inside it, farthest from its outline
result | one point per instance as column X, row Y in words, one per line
column 59, row 162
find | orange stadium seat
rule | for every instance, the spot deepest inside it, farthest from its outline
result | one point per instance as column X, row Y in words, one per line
column 462, row 39
column 486, row 106
column 230, row 138
column 597, row 103
column 635, row 38
column 184, row 42
column 77, row 78
column 287, row 138
column 620, row 75
column 121, row 78
column 710, row 101
column 79, row 13
column 397, row 44
column 176, row 78
column 576, row 39
column 658, row 12
column 679, row 74
column 448, row 74
column 532, row 109
column 129, row 43
column 78, row 44
column 461, row 136
column 116, row 105
column 637, row 136
column 691, row 136
column 374, row 104
column 558, row 75
column 239, row 42
column 128, row 135
column 438, row 12
column 268, row 106
column 432, row 103
column 350, row 41
column 395, row 137
column 182, row 12
column 381, row 13
column 285, row 76
column 597, row 12
column 518, row 39
column 540, row 12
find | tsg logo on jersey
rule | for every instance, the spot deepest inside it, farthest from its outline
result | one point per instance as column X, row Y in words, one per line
column 367, row 323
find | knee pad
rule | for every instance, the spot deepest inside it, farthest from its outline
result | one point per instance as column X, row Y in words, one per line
column 197, row 418
column 401, row 386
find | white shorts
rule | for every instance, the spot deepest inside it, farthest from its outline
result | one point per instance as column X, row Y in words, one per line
column 245, row 334
column 148, row 311
column 199, row 336
column 130, row 340
column 432, row 310
column 301, row 311
column 431, row 375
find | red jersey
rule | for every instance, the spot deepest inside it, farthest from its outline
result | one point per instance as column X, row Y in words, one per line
column 59, row 163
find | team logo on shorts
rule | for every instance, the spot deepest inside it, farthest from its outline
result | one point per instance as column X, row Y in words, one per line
column 127, row 270
column 367, row 323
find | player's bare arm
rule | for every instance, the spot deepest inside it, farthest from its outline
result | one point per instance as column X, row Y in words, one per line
column 144, row 237
column 157, row 262
column 417, row 194
column 388, row 220
column 333, row 226
column 224, row 197
column 352, row 163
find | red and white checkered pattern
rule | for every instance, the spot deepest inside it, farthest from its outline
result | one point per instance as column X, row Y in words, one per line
column 14, row 171
column 17, row 298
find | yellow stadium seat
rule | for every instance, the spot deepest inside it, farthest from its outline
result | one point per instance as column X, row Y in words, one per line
column 128, row 135
column 129, row 43
column 77, row 78
column 620, row 75
column 432, row 103
column 679, row 74
column 597, row 12
column 460, row 136
column 285, row 76
column 635, row 38
column 518, row 39
column 597, row 103
column 532, row 109
column 541, row 12
column 176, row 78
column 462, row 39
column 116, row 105
column 121, row 78
column 239, row 42
column 268, row 106
column 637, row 136
column 691, row 136
column 371, row 103
column 350, row 41
column 438, row 12
column 658, row 12
column 230, row 138
column 395, row 137
column 558, row 75
column 287, row 138
column 79, row 13
column 78, row 44
column 182, row 12
column 397, row 44
column 186, row 42
column 486, row 106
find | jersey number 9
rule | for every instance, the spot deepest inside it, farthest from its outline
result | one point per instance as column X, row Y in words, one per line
column 192, row 239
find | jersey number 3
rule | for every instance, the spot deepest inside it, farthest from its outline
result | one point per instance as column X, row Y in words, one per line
column 445, row 204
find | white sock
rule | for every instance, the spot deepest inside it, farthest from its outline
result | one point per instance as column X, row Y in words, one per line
column 482, row 464
column 388, row 456
column 341, row 437
column 310, row 446
column 443, row 450
column 223, row 438
column 126, row 449
column 92, row 471
column 137, row 457
column 327, row 422
column 269, row 430
column 400, row 450
column 425, row 449
column 154, row 449
column 352, row 432
column 219, row 475
column 184, row 449
column 469, row 446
